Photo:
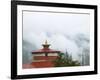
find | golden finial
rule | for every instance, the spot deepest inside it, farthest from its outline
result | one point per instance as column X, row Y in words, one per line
column 46, row 45
column 46, row 42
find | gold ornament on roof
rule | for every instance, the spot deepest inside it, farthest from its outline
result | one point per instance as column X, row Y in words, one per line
column 46, row 42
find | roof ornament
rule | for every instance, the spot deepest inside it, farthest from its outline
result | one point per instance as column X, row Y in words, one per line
column 46, row 45
column 46, row 42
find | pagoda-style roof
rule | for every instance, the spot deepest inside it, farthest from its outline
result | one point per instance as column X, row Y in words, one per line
column 45, row 49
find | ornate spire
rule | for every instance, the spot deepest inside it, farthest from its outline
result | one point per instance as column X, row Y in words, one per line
column 46, row 42
column 46, row 45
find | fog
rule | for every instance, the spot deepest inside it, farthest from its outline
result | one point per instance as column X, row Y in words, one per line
column 64, row 31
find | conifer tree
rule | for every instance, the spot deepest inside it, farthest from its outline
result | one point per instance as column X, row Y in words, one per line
column 65, row 60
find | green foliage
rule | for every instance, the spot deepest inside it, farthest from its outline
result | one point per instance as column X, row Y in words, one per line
column 65, row 60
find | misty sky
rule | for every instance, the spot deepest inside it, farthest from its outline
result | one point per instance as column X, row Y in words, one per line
column 59, row 29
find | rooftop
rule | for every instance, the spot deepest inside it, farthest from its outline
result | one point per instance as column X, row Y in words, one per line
column 45, row 49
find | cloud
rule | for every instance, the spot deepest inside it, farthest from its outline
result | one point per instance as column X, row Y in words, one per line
column 58, row 28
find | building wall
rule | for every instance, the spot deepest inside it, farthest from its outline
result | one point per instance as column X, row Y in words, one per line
column 53, row 54
column 43, row 54
column 42, row 57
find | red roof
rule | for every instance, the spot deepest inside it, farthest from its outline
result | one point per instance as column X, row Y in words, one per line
column 46, row 51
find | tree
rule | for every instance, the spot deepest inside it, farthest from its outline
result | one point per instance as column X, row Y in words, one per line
column 65, row 60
